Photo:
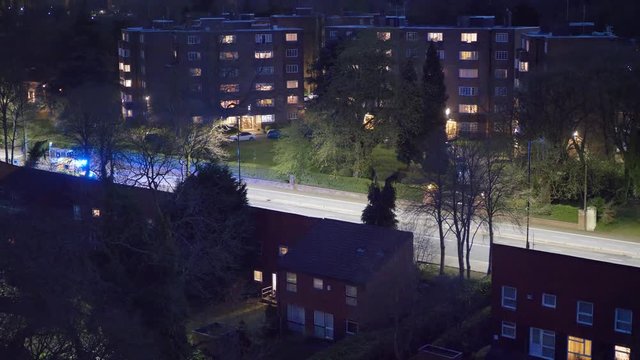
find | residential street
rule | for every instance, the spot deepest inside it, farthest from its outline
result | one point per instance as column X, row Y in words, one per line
column 348, row 207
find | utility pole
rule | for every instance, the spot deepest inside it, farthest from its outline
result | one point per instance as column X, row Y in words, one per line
column 529, row 193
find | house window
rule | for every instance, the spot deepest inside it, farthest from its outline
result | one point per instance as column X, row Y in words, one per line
column 127, row 98
column 193, row 55
column 264, row 38
column 411, row 52
column 508, row 330
column 264, row 54
column 469, row 37
column 267, row 118
column 549, row 301
column 195, row 72
column 127, row 83
column 500, row 91
column 291, row 37
column 502, row 55
column 126, row 68
column 228, row 55
column 578, row 349
column 265, row 102
column 333, row 34
column 95, row 212
column 264, row 70
column 227, row 104
column 228, row 73
column 441, row 54
column 77, row 212
column 257, row 275
column 292, row 115
column 323, row 325
column 622, row 353
column 283, row 250
column 125, row 53
column 292, row 53
column 292, row 84
column 141, row 39
column 434, row 36
column 227, row 39
column 542, row 343
column 468, row 55
column 352, row 327
column 125, row 36
column 295, row 318
column 264, row 86
column 229, row 88
column 624, row 318
column 292, row 99
column 352, row 295
column 193, row 39
column 292, row 282
column 467, row 91
column 412, row 36
column 318, row 284
column 523, row 66
column 584, row 313
column 509, row 294
column 502, row 37
column 470, row 109
column 291, row 69
column 501, row 73
column 468, row 73
column 384, row 35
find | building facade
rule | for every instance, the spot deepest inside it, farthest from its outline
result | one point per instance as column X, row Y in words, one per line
column 246, row 72
column 478, row 59
column 553, row 306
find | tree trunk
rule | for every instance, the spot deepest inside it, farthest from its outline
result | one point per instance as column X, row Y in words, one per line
column 490, row 224
column 442, row 246
column 14, row 134
column 5, row 132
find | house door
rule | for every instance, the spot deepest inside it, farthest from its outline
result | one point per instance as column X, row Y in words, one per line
column 273, row 281
column 542, row 343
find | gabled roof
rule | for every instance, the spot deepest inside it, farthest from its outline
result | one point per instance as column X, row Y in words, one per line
column 344, row 251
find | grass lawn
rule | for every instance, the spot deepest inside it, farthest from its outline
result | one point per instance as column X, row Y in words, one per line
column 558, row 212
column 230, row 314
column 626, row 224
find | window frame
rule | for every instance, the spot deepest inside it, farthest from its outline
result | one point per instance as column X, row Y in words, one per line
column 291, row 280
column 346, row 328
column 291, row 37
column 580, row 313
column 257, row 276
column 318, row 283
column 586, row 344
column 508, row 325
column 623, row 350
column 435, row 36
column 502, row 58
column 503, row 297
column 472, row 55
column 264, row 38
column 502, row 37
column 289, row 68
column 469, row 37
column 547, row 305
column 501, row 72
column 351, row 297
column 542, row 333
column 291, row 82
column 291, row 52
column 473, row 73
column 467, row 91
column 617, row 320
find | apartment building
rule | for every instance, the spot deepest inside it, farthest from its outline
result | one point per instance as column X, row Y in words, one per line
column 554, row 306
column 478, row 59
column 245, row 71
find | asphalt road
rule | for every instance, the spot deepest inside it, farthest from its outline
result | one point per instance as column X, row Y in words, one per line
column 348, row 207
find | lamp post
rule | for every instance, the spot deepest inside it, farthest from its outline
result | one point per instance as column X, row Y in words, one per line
column 576, row 140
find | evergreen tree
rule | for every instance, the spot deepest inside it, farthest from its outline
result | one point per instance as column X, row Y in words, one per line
column 380, row 210
column 408, row 113
column 435, row 92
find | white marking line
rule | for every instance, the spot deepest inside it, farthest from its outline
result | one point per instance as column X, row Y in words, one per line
column 585, row 236
column 307, row 196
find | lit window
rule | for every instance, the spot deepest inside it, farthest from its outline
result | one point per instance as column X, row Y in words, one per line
column 622, row 353
column 318, row 284
column 264, row 70
column 291, row 37
column 229, row 88
column 322, row 325
column 95, row 213
column 624, row 318
column 502, row 37
column 127, row 98
column 121, row 66
column 125, row 36
column 292, row 53
column 451, row 128
column 292, row 99
column 509, row 294
column 195, row 72
column 292, row 282
column 227, row 39
column 384, row 36
column 412, row 36
column 468, row 73
column 226, row 104
column 469, row 37
column 502, row 55
column 352, row 327
column 501, row 73
column 508, row 330
column 127, row 68
column 549, row 301
column 264, row 54
column 292, row 69
column 128, row 83
column 265, row 102
column 351, row 293
column 193, row 39
column 292, row 84
column 584, row 313
column 129, row 113
column 228, row 55
column 578, row 349
column 264, row 86
column 266, row 118
column 467, row 91
column 441, row 54
column 523, row 66
column 500, row 91
column 542, row 343
column 283, row 250
column 292, row 115
column 257, row 275
column 434, row 36
column 468, row 55
column 388, row 53
column 468, row 109
column 264, row 38
column 193, row 55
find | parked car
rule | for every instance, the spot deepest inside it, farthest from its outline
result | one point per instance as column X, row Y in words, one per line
column 228, row 130
column 244, row 136
column 273, row 134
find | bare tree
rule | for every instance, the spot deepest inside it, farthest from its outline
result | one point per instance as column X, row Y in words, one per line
column 200, row 143
column 10, row 94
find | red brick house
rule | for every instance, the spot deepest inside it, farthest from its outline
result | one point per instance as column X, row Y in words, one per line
column 553, row 306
